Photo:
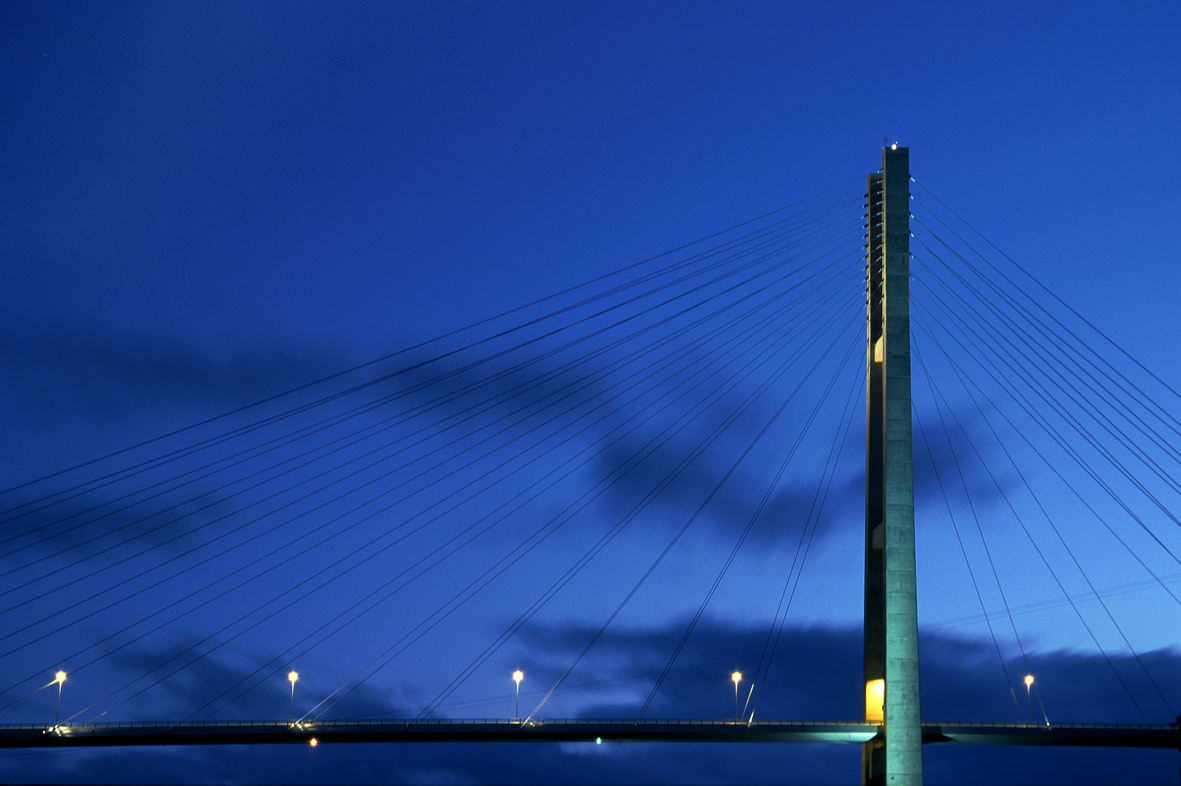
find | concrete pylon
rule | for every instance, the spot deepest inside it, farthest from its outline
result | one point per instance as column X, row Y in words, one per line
column 891, row 609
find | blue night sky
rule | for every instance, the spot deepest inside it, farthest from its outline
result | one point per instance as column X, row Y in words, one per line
column 208, row 204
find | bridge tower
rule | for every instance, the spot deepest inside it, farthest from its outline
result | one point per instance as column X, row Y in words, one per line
column 891, row 613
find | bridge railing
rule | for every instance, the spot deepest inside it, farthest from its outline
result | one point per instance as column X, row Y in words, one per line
column 1019, row 725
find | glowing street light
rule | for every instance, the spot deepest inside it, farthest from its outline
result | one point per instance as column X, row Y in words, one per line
column 1028, row 704
column 737, row 677
column 292, row 677
column 60, row 679
column 518, row 675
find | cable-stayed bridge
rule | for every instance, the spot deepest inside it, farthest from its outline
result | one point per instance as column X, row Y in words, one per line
column 629, row 491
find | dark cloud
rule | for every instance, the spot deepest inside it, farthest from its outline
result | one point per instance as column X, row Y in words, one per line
column 80, row 529
column 95, row 371
column 115, row 378
column 79, row 389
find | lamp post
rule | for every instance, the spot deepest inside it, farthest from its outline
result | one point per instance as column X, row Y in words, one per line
column 1028, row 704
column 60, row 679
column 518, row 675
column 292, row 677
column 737, row 677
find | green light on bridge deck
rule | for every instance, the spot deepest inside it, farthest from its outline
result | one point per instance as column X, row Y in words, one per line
column 598, row 740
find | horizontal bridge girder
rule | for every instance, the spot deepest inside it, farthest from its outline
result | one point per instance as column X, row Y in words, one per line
column 277, row 732
column 1083, row 734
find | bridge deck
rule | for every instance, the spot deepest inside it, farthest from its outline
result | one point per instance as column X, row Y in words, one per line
column 278, row 732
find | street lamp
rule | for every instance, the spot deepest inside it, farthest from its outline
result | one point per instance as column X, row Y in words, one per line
column 737, row 677
column 60, row 679
column 518, row 675
column 1028, row 705
column 292, row 677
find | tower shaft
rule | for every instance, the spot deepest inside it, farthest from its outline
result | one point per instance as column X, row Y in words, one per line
column 891, row 613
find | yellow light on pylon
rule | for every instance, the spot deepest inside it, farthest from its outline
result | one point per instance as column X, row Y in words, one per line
column 875, row 701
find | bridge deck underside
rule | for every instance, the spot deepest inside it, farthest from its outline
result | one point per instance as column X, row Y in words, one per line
column 271, row 732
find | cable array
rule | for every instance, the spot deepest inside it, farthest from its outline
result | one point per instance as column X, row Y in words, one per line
column 513, row 493
column 494, row 468
column 1064, row 451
